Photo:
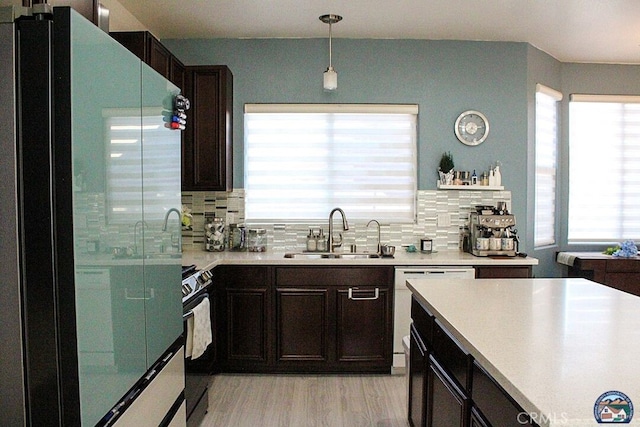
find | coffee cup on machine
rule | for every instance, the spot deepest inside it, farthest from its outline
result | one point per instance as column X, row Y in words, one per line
column 482, row 243
column 495, row 243
column 507, row 244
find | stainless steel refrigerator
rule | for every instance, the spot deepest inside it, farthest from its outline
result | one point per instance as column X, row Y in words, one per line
column 90, row 303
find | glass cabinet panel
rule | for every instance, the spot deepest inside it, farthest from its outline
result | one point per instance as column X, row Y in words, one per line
column 107, row 212
column 162, row 200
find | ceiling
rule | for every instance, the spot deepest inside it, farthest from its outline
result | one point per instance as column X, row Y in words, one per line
column 602, row 31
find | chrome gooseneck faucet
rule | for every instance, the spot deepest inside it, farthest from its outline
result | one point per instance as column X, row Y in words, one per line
column 379, row 247
column 164, row 227
column 333, row 243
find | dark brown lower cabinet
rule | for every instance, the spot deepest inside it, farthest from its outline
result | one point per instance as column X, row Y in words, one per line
column 477, row 420
column 305, row 319
column 447, row 388
column 247, row 325
column 333, row 319
column 448, row 405
column 418, row 380
column 244, row 318
column 497, row 407
column 302, row 325
column 363, row 316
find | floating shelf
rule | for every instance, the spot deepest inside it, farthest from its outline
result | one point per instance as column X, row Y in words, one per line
column 470, row 187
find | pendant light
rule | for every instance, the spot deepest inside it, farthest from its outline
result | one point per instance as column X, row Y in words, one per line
column 330, row 77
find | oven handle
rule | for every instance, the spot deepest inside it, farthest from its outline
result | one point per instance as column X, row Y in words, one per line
column 190, row 312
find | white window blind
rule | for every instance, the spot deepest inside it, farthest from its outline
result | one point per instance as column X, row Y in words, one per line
column 604, row 170
column 302, row 160
column 546, row 144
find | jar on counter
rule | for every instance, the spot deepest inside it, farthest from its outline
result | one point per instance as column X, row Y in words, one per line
column 237, row 237
column 214, row 235
column 257, row 240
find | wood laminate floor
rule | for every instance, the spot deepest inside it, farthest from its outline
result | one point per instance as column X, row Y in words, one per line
column 307, row 400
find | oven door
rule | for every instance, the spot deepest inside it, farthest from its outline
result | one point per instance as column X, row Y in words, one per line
column 196, row 376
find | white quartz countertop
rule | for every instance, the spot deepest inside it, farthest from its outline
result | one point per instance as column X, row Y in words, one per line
column 555, row 345
column 203, row 259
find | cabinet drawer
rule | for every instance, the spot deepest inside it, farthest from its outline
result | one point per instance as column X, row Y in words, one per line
column 381, row 277
column 455, row 360
column 519, row 272
column 497, row 407
column 423, row 322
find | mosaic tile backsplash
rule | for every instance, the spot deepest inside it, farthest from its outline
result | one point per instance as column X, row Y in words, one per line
column 439, row 216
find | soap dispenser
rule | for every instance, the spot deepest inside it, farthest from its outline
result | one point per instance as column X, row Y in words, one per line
column 311, row 242
column 322, row 242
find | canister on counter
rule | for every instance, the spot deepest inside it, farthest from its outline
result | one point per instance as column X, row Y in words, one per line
column 237, row 237
column 426, row 246
column 214, row 235
column 257, row 240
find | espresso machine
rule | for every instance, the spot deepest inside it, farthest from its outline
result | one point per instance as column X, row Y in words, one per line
column 491, row 231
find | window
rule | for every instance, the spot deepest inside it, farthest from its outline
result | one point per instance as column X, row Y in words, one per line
column 302, row 160
column 546, row 165
column 604, row 169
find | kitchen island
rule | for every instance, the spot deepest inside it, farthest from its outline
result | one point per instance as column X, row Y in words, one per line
column 551, row 347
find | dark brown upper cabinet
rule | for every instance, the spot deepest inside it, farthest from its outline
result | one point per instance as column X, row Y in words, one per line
column 151, row 51
column 207, row 152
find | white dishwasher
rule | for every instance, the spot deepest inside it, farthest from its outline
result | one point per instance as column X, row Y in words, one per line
column 402, row 306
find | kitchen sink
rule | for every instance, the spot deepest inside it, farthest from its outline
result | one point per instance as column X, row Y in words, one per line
column 331, row 255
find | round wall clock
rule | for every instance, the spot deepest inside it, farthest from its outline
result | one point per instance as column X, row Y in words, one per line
column 472, row 127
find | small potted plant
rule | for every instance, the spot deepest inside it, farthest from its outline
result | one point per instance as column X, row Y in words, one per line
column 445, row 169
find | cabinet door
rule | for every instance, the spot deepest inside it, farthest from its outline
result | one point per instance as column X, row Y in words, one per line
column 418, row 381
column 159, row 57
column 302, row 324
column 207, row 150
column 244, row 317
column 178, row 73
column 448, row 405
column 362, row 325
column 246, row 325
column 477, row 420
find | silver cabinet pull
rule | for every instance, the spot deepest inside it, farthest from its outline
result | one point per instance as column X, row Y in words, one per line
column 375, row 296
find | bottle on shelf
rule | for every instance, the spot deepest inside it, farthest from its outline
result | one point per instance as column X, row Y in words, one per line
column 497, row 176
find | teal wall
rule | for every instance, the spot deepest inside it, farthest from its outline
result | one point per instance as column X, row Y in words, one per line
column 444, row 78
